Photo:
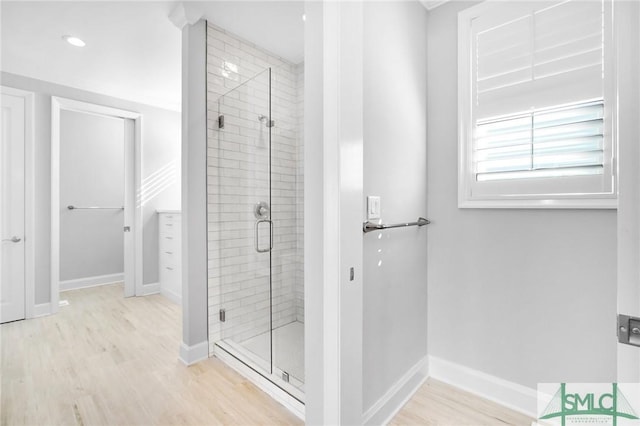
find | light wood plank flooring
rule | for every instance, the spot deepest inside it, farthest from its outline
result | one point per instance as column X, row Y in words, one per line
column 109, row 360
column 105, row 359
column 438, row 403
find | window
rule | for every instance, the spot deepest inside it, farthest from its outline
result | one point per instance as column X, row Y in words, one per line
column 535, row 105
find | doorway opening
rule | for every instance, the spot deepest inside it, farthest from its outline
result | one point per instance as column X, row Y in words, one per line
column 255, row 210
column 95, row 215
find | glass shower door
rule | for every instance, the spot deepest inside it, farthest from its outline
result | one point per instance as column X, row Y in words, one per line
column 254, row 244
column 243, row 210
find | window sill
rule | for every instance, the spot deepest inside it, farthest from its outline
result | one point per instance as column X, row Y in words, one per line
column 540, row 203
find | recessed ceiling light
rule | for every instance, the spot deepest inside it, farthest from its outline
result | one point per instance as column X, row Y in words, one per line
column 74, row 41
column 304, row 17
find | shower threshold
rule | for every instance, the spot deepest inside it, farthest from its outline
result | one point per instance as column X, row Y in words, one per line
column 257, row 370
column 286, row 345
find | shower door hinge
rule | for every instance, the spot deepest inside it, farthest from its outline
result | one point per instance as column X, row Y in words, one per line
column 221, row 122
column 223, row 315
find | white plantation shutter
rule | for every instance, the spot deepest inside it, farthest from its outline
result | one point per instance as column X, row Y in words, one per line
column 537, row 57
column 538, row 120
column 567, row 141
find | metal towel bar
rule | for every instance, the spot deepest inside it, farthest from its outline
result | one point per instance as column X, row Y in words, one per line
column 94, row 208
column 371, row 226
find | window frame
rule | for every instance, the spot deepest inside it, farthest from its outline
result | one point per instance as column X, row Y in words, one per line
column 532, row 193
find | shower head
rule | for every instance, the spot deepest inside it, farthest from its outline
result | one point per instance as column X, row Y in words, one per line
column 264, row 119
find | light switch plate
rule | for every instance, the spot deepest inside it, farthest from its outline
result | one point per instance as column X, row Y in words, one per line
column 373, row 207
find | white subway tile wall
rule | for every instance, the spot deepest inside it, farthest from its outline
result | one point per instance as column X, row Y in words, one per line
column 238, row 158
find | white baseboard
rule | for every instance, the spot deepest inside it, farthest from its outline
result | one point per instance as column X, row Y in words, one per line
column 41, row 310
column 91, row 281
column 271, row 389
column 174, row 297
column 189, row 355
column 149, row 289
column 509, row 394
column 397, row 396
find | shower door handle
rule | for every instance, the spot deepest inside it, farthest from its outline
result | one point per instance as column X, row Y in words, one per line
column 257, row 235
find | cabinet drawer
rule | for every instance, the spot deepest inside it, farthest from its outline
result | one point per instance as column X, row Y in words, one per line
column 168, row 242
column 170, row 270
column 169, row 258
column 170, row 276
column 169, row 226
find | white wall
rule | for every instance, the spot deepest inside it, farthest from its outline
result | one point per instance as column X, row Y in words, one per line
column 194, row 345
column 161, row 147
column 91, row 174
column 528, row 296
column 395, row 168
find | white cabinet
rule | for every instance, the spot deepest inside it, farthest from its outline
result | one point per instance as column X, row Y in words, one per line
column 170, row 256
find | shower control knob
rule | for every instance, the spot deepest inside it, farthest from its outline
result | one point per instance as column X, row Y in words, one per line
column 261, row 210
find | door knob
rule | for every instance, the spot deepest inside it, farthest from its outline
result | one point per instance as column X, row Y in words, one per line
column 13, row 239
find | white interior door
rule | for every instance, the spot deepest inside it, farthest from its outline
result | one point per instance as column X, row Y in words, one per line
column 12, row 185
column 628, row 288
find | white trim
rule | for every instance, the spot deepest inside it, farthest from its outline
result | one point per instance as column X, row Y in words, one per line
column 149, row 289
column 627, row 39
column 29, row 199
column 129, row 238
column 330, row 218
column 138, row 235
column 508, row 394
column 341, row 216
column 504, row 203
column 171, row 295
column 190, row 355
column 41, row 310
column 58, row 104
column 432, row 4
column 383, row 411
column 185, row 13
column 94, row 281
column 292, row 404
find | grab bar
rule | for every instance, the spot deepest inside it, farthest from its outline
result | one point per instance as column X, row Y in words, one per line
column 371, row 226
column 94, row 208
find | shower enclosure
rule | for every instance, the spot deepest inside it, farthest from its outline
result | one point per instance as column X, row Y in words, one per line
column 255, row 228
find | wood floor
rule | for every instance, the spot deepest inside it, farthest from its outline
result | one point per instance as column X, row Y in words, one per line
column 109, row 360
column 437, row 403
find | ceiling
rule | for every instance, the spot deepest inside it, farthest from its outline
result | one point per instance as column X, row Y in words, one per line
column 133, row 50
column 276, row 26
